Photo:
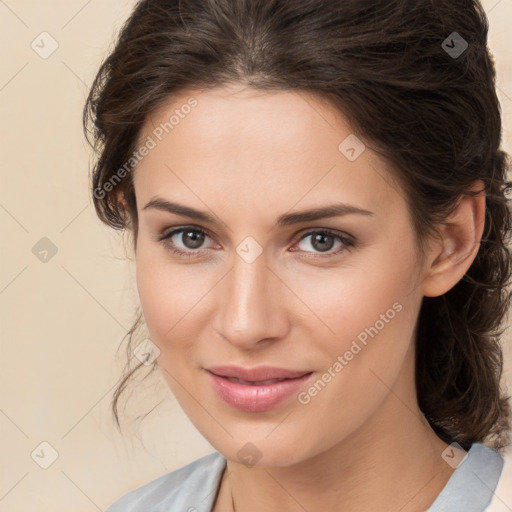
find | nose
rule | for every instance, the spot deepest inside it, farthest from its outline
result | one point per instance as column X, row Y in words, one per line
column 251, row 310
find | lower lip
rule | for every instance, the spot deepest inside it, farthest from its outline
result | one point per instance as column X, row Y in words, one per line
column 249, row 398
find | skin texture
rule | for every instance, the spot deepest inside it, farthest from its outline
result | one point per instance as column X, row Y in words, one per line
column 246, row 157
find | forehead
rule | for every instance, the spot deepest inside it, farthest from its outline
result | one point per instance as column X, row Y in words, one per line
column 248, row 145
column 233, row 115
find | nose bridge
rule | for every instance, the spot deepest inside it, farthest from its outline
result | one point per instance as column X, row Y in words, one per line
column 248, row 309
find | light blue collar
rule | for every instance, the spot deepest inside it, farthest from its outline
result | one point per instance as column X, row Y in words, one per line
column 472, row 484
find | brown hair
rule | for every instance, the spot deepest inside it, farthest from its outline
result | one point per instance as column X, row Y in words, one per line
column 412, row 91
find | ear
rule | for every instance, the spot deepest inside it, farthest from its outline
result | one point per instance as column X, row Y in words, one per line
column 123, row 204
column 452, row 254
column 121, row 200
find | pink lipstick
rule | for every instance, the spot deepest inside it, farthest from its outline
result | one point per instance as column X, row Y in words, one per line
column 256, row 389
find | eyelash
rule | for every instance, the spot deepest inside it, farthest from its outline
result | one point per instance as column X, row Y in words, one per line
column 348, row 244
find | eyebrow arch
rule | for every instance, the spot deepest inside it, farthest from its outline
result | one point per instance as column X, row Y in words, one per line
column 287, row 219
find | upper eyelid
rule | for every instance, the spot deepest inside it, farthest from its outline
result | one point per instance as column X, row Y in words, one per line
column 167, row 233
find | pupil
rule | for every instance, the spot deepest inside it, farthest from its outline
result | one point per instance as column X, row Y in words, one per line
column 197, row 239
column 321, row 239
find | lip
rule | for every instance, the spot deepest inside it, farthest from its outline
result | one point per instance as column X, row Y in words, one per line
column 256, row 394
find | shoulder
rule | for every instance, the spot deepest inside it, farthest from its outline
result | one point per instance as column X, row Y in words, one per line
column 502, row 497
column 191, row 488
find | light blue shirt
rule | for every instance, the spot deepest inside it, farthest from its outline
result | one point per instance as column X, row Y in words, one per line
column 192, row 488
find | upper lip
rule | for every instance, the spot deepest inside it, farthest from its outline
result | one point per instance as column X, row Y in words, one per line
column 261, row 373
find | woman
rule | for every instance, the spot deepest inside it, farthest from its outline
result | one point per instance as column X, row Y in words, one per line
column 316, row 194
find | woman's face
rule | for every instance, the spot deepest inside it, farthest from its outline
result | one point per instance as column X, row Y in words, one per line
column 332, row 297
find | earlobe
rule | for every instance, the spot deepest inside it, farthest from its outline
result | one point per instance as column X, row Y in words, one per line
column 453, row 253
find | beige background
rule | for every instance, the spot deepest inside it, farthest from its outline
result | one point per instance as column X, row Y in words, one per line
column 62, row 320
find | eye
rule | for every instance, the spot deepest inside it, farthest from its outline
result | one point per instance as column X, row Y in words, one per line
column 187, row 241
column 184, row 241
column 323, row 241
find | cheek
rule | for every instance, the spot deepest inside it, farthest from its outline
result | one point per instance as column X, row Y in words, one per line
column 364, row 325
column 166, row 295
column 373, row 320
column 369, row 290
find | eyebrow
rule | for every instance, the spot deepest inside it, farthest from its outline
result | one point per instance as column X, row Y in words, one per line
column 287, row 219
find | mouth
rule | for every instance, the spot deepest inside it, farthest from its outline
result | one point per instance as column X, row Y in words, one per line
column 258, row 389
column 259, row 374
column 254, row 383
